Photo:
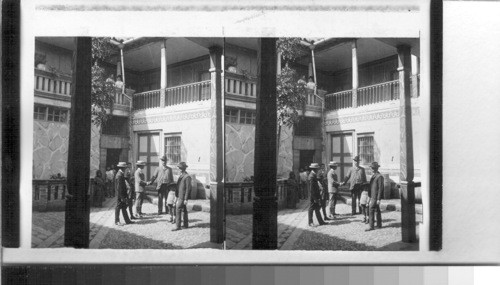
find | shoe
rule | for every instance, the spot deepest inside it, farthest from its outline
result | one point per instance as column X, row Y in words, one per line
column 171, row 219
column 323, row 223
column 379, row 227
column 311, row 224
column 327, row 219
column 369, row 229
column 176, row 229
column 133, row 218
column 130, row 222
column 367, row 221
column 118, row 224
column 185, row 227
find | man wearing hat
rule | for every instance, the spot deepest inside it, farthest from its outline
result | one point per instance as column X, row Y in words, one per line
column 314, row 195
column 140, row 182
column 121, row 194
column 375, row 194
column 163, row 176
column 182, row 194
column 333, row 188
column 357, row 180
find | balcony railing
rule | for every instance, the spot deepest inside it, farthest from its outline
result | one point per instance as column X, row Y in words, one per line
column 338, row 100
column 240, row 195
column 198, row 91
column 176, row 95
column 49, row 82
column 147, row 100
column 376, row 93
column 121, row 99
column 239, row 85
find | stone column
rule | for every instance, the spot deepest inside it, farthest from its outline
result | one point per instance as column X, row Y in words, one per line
column 406, row 147
column 265, row 206
column 414, row 75
column 355, row 83
column 163, row 73
column 216, row 148
column 76, row 231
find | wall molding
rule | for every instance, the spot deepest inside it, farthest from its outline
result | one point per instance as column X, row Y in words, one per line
column 173, row 117
column 368, row 117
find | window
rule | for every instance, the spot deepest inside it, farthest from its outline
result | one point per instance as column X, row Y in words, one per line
column 247, row 117
column 40, row 113
column 365, row 148
column 52, row 114
column 341, row 151
column 231, row 115
column 240, row 116
column 148, row 151
column 173, row 148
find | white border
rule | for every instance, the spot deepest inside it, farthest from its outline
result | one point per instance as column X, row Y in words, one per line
column 243, row 23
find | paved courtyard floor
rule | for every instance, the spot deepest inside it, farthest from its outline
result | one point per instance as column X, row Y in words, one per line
column 151, row 231
column 345, row 232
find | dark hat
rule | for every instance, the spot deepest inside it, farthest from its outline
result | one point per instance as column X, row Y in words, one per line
column 374, row 165
column 314, row 165
column 140, row 162
column 122, row 165
column 356, row 158
column 182, row 164
column 164, row 158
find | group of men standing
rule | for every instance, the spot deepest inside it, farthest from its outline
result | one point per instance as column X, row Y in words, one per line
column 323, row 190
column 174, row 194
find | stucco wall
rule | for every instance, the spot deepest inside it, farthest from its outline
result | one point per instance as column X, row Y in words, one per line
column 192, row 121
column 50, row 149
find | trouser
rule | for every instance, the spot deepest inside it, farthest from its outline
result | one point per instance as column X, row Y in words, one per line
column 121, row 205
column 162, row 195
column 181, row 213
column 139, row 199
column 332, row 202
column 314, row 207
column 130, row 203
column 376, row 208
column 355, row 196
column 323, row 203
column 365, row 210
column 171, row 210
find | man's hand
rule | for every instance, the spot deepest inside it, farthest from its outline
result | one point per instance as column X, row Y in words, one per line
column 378, row 202
column 185, row 202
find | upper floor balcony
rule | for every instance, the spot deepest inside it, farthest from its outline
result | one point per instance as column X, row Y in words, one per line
column 52, row 86
column 368, row 95
column 176, row 95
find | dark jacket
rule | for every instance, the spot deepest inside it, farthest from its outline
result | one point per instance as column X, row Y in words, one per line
column 376, row 188
column 314, row 191
column 159, row 174
column 120, row 186
column 183, row 188
column 355, row 176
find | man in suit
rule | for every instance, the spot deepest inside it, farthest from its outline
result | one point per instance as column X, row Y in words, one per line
column 140, row 192
column 314, row 195
column 322, row 179
column 121, row 194
column 375, row 194
column 357, row 179
column 163, row 176
column 333, row 188
column 182, row 194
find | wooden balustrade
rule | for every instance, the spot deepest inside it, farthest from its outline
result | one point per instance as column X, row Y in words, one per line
column 338, row 100
column 386, row 91
column 49, row 194
column 147, row 100
column 239, row 196
column 193, row 92
column 49, row 82
column 235, row 84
